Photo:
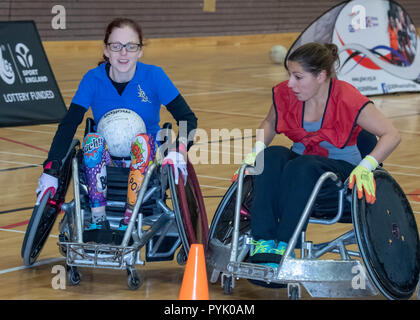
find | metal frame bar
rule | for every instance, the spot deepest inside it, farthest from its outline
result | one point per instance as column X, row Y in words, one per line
column 322, row 278
column 114, row 256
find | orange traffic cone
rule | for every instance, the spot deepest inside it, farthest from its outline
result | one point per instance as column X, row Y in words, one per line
column 194, row 284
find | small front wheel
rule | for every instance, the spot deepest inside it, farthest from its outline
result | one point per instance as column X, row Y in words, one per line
column 227, row 285
column 134, row 281
column 73, row 276
column 293, row 291
column 181, row 257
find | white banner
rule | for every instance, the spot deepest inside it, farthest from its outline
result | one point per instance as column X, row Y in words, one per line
column 378, row 45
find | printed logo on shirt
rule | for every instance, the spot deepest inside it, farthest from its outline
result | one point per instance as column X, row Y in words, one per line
column 142, row 95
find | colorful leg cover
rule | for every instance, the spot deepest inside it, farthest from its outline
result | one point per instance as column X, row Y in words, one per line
column 96, row 158
column 143, row 154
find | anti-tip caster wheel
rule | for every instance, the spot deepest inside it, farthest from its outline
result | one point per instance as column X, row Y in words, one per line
column 227, row 284
column 134, row 281
column 73, row 276
column 181, row 257
column 293, row 291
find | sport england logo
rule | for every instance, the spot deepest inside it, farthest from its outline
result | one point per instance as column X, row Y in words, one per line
column 24, row 56
column 6, row 70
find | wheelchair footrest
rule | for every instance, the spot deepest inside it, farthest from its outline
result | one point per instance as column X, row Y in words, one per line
column 329, row 278
column 321, row 278
column 252, row 271
column 99, row 255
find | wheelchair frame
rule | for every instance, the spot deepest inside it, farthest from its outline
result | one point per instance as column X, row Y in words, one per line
column 163, row 222
column 321, row 278
column 125, row 256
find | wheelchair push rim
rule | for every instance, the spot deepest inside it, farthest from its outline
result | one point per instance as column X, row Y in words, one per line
column 388, row 238
column 221, row 226
column 39, row 228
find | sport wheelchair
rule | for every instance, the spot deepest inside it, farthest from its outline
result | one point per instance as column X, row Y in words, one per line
column 166, row 217
column 385, row 234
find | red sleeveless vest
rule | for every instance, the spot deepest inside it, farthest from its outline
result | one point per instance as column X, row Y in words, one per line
column 339, row 125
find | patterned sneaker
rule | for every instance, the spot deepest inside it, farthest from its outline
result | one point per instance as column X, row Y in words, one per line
column 262, row 246
column 281, row 249
column 266, row 253
column 262, row 251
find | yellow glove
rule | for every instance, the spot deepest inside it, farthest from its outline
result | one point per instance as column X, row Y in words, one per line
column 362, row 175
column 250, row 157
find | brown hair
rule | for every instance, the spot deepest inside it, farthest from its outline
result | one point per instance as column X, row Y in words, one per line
column 315, row 57
column 121, row 23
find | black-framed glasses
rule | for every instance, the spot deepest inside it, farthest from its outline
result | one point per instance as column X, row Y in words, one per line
column 117, row 46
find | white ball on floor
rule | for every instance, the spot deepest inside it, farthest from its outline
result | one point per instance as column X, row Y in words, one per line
column 278, row 54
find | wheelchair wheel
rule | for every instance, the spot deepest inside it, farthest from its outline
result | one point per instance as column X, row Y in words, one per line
column 188, row 201
column 388, row 238
column 227, row 285
column 39, row 227
column 73, row 276
column 44, row 215
column 134, row 280
column 221, row 227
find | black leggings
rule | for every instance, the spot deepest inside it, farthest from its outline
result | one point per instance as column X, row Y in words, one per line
column 283, row 189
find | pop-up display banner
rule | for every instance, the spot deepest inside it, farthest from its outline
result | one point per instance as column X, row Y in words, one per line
column 379, row 48
column 28, row 90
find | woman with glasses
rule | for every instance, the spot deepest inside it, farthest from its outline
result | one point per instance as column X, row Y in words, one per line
column 120, row 81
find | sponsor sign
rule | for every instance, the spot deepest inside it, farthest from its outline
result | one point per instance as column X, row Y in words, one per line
column 28, row 90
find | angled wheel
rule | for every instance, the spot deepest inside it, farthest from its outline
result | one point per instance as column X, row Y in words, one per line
column 221, row 227
column 44, row 215
column 39, row 227
column 190, row 210
column 388, row 238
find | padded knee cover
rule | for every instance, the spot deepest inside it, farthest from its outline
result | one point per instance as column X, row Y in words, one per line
column 96, row 157
column 143, row 153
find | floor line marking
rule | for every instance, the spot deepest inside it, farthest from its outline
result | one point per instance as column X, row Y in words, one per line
column 36, row 264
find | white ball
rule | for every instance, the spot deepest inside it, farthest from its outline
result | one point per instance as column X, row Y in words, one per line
column 278, row 54
column 119, row 127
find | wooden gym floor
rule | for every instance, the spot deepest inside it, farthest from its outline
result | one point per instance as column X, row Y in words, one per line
column 227, row 82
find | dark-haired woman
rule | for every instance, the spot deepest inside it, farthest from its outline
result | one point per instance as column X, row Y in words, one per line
column 120, row 82
column 322, row 116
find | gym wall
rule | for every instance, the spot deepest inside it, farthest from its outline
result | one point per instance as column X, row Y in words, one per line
column 86, row 19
